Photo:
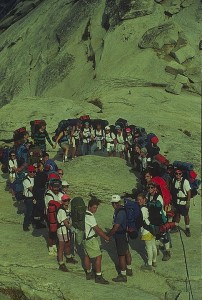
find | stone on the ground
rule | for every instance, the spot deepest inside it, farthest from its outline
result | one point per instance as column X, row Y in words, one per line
column 174, row 88
column 174, row 68
column 157, row 37
column 129, row 9
column 173, row 7
column 183, row 54
column 182, row 79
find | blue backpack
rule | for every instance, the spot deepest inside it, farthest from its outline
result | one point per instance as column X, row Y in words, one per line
column 134, row 217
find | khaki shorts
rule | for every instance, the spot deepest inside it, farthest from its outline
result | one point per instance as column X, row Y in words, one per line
column 92, row 247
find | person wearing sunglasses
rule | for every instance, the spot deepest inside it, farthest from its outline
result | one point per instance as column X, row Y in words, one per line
column 157, row 217
column 12, row 167
column 28, row 184
column 181, row 193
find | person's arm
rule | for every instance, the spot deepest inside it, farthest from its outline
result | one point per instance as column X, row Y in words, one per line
column 113, row 230
column 67, row 223
column 48, row 138
column 59, row 137
column 101, row 233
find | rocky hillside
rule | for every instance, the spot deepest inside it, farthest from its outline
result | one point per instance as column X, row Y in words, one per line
column 77, row 49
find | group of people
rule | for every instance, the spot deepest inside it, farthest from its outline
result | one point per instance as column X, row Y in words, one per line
column 44, row 186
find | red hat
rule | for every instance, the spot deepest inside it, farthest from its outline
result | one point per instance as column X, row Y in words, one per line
column 154, row 140
column 31, row 168
column 65, row 198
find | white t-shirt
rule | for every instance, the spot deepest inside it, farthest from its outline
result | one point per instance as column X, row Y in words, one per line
column 186, row 187
column 145, row 216
column 52, row 196
column 27, row 183
column 120, row 138
column 61, row 216
column 90, row 222
column 110, row 137
column 86, row 135
column 98, row 135
column 12, row 164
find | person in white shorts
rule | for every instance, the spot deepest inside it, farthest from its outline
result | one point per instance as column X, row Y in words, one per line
column 120, row 146
column 64, row 233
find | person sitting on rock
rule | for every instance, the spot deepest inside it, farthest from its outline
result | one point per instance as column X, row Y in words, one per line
column 64, row 233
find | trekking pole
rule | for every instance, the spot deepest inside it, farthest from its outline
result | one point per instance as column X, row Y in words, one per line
column 186, row 266
column 74, row 241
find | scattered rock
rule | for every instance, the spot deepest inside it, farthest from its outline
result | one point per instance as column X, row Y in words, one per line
column 188, row 133
column 174, row 88
column 157, row 37
column 173, row 8
column 183, row 54
column 129, row 9
column 182, row 79
column 174, row 68
column 186, row 3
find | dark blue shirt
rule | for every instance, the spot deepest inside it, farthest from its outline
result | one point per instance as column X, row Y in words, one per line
column 52, row 164
column 120, row 218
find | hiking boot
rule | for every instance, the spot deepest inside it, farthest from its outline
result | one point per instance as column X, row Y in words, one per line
column 166, row 256
column 90, row 275
column 25, row 228
column 63, row 268
column 100, row 279
column 71, row 260
column 129, row 272
column 40, row 226
column 147, row 268
column 120, row 278
column 187, row 232
column 154, row 264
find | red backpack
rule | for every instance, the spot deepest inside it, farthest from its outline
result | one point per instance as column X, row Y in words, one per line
column 163, row 189
column 53, row 207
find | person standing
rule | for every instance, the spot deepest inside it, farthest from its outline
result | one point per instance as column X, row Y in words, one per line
column 119, row 232
column 110, row 140
column 91, row 243
column 28, row 184
column 147, row 236
column 181, row 193
column 120, row 146
column 41, row 136
column 64, row 233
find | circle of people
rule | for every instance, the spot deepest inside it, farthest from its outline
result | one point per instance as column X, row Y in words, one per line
column 153, row 210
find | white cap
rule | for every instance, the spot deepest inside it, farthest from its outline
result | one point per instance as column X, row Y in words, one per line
column 107, row 128
column 149, row 159
column 115, row 199
column 64, row 183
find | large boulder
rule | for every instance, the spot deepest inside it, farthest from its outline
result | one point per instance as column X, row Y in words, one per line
column 129, row 9
column 157, row 37
column 183, row 54
column 174, row 88
column 174, row 68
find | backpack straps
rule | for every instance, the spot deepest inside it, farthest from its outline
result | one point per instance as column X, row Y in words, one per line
column 87, row 238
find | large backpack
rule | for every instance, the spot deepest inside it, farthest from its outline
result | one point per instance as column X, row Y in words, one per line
column 18, row 134
column 4, row 159
column 35, row 126
column 190, row 175
column 156, row 213
column 122, row 123
column 78, row 211
column 166, row 195
column 17, row 186
column 95, row 122
column 133, row 217
column 53, row 207
column 62, row 125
